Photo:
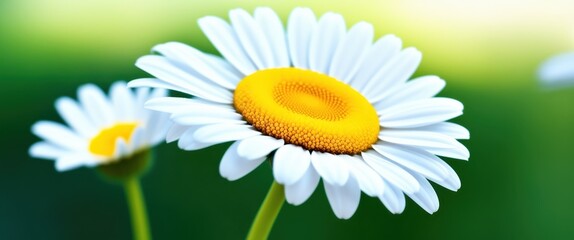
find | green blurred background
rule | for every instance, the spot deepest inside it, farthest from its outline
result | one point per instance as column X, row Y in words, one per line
column 516, row 184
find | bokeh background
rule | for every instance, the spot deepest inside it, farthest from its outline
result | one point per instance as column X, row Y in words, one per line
column 517, row 184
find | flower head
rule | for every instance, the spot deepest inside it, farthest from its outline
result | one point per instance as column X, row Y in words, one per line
column 101, row 129
column 558, row 70
column 323, row 101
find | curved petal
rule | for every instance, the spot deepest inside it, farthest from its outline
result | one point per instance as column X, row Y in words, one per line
column 414, row 159
column 391, row 172
column 369, row 181
column 233, row 166
column 393, row 199
column 447, row 128
column 272, row 27
column 329, row 31
column 59, row 135
column 175, row 131
column 75, row 117
column 417, row 138
column 252, row 38
column 416, row 89
column 161, row 68
column 194, row 59
column 302, row 24
column 258, row 146
column 122, row 101
column 220, row 133
column 397, row 71
column 47, row 151
column 350, row 52
column 223, row 37
column 71, row 161
column 298, row 192
column 182, row 105
column 331, row 168
column 426, row 197
column 420, row 113
column 290, row 164
column 344, row 199
column 96, row 104
column 378, row 55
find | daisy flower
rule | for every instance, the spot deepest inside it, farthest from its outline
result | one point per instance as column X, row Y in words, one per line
column 558, row 70
column 101, row 130
column 321, row 101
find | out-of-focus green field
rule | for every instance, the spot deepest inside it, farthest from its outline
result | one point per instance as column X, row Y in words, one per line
column 515, row 186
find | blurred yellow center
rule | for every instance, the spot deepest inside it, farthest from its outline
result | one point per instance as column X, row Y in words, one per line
column 308, row 109
column 105, row 142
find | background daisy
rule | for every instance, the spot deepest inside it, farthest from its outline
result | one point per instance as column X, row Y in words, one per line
column 101, row 130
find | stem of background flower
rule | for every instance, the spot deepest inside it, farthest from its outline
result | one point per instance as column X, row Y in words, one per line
column 267, row 213
column 137, row 209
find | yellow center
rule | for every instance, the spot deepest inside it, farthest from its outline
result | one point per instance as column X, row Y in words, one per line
column 105, row 142
column 308, row 109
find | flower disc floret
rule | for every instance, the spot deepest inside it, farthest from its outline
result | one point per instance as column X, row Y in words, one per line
column 308, row 109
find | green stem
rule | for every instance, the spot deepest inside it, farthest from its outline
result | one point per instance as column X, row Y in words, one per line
column 267, row 213
column 137, row 209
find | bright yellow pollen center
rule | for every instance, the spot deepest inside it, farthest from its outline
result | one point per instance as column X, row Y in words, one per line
column 105, row 142
column 308, row 109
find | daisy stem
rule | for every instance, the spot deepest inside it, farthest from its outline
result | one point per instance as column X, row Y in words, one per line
column 267, row 213
column 137, row 209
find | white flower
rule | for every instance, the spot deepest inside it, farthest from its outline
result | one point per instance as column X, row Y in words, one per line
column 323, row 101
column 100, row 130
column 558, row 70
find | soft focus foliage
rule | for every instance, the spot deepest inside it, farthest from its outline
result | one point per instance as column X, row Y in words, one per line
column 487, row 51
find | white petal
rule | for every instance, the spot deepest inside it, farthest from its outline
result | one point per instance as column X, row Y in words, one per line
column 301, row 190
column 301, row 26
column 161, row 68
column 59, row 135
column 426, row 197
column 182, row 105
column 121, row 149
column 220, row 133
column 233, row 167
column 369, row 181
column 156, row 83
column 75, row 117
column 272, row 27
column 175, row 132
column 456, row 153
column 392, row 173
column 331, row 168
column 416, row 89
column 392, row 74
column 417, row 160
column 252, row 39
column 122, row 101
column 290, row 163
column 350, row 52
column 223, row 37
column 188, row 142
column 451, row 182
column 447, row 128
column 71, row 161
column 417, row 138
column 157, row 127
column 138, row 140
column 558, row 70
column 393, row 198
column 96, row 105
column 258, row 146
column 420, row 113
column 141, row 96
column 376, row 58
column 344, row 200
column 46, row 151
column 207, row 115
column 329, row 31
column 197, row 61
